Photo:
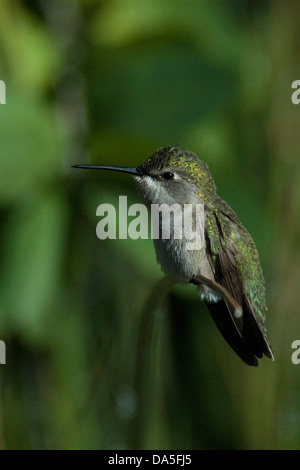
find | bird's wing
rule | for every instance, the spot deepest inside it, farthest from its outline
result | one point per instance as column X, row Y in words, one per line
column 245, row 334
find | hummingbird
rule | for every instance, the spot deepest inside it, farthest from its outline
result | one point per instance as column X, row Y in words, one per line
column 226, row 268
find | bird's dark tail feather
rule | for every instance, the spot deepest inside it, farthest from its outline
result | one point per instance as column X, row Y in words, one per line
column 249, row 345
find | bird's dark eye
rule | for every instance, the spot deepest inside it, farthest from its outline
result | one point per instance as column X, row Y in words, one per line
column 167, row 175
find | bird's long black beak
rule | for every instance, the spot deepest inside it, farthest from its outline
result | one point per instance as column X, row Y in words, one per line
column 132, row 171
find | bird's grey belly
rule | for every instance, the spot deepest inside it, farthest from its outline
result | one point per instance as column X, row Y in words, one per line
column 181, row 265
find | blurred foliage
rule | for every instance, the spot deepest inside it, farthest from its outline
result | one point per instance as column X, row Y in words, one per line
column 98, row 354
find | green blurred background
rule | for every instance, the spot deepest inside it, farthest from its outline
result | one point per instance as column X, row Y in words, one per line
column 94, row 360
